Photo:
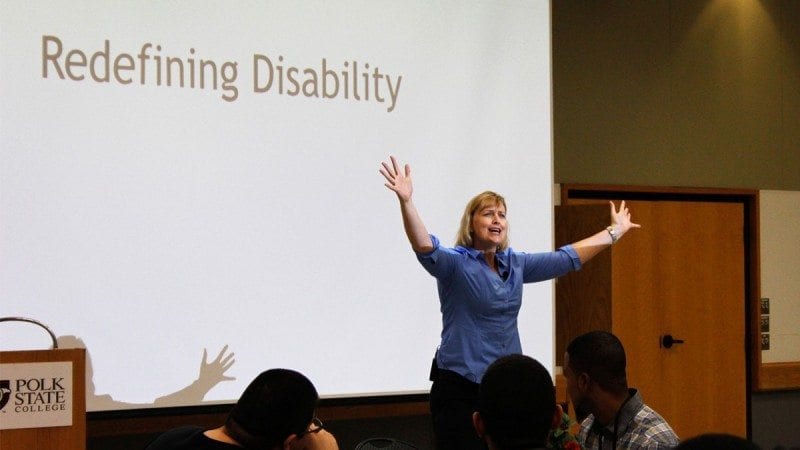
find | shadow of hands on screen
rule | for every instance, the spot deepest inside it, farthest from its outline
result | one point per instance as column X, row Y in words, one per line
column 211, row 374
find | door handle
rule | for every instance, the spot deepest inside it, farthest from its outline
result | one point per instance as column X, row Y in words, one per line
column 667, row 341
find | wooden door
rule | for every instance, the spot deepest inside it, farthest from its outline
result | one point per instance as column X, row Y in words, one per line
column 683, row 274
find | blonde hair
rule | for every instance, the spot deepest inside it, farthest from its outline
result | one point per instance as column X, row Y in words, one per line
column 486, row 198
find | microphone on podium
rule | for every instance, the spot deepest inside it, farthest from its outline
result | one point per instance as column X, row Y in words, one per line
column 35, row 322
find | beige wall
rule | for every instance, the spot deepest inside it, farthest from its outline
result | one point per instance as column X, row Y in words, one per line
column 677, row 93
column 780, row 278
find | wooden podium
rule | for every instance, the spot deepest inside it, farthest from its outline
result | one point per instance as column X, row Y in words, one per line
column 71, row 437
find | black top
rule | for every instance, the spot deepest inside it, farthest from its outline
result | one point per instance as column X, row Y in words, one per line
column 188, row 438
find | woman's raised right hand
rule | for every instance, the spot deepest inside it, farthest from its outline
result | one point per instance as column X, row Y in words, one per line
column 398, row 180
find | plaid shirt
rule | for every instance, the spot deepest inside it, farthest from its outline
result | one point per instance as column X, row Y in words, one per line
column 638, row 427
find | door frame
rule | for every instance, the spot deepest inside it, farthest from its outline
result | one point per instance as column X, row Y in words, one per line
column 759, row 377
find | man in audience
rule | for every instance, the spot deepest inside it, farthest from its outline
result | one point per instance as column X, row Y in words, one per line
column 594, row 367
column 276, row 411
column 516, row 404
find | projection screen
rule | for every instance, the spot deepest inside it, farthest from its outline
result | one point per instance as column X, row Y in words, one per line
column 178, row 177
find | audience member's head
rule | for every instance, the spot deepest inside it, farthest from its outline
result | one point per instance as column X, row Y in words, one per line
column 277, row 404
column 594, row 362
column 600, row 355
column 516, row 404
column 714, row 441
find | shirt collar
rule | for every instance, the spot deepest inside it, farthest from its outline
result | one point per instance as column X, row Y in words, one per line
column 624, row 416
column 629, row 411
column 502, row 257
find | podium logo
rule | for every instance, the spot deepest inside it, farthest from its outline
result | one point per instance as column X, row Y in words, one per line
column 36, row 395
column 39, row 395
column 5, row 392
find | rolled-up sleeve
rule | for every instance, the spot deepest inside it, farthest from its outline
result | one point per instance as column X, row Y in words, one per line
column 545, row 266
column 439, row 261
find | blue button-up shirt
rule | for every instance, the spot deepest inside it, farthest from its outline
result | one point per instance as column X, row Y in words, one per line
column 479, row 306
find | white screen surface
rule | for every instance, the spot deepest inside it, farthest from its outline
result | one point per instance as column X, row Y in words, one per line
column 152, row 221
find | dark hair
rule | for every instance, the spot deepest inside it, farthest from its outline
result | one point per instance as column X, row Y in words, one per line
column 276, row 404
column 599, row 354
column 517, row 402
column 713, row 441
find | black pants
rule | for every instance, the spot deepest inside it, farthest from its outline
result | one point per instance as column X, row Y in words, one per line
column 453, row 400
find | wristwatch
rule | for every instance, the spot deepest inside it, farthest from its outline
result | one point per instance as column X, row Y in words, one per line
column 613, row 232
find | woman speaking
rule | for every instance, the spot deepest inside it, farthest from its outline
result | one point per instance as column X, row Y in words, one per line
column 480, row 291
